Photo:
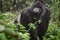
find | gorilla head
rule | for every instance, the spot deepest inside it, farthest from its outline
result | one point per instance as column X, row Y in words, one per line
column 37, row 10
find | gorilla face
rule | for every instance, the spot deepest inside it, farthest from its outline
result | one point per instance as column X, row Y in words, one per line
column 36, row 13
column 37, row 10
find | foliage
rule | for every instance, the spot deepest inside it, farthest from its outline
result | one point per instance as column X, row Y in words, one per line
column 55, row 11
column 8, row 30
column 53, row 32
column 13, row 34
column 8, row 5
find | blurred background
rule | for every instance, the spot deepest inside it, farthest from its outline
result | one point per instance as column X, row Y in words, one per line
column 10, row 9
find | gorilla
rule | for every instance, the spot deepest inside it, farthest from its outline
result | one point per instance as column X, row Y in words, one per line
column 36, row 11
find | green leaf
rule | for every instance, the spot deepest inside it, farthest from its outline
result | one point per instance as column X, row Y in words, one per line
column 2, row 28
column 32, row 26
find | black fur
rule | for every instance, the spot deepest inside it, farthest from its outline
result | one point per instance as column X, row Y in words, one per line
column 28, row 15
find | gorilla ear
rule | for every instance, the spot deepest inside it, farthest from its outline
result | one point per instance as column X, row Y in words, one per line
column 36, row 10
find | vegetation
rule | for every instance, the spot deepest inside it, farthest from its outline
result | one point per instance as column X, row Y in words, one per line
column 11, row 8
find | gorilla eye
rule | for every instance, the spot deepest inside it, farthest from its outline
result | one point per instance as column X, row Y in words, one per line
column 36, row 10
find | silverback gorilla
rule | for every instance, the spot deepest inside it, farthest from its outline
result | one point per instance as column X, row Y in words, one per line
column 36, row 11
